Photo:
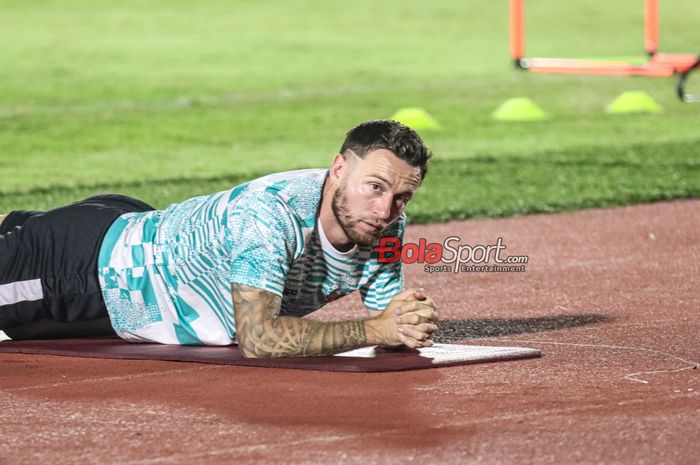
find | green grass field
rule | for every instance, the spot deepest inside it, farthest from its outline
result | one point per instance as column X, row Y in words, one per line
column 167, row 100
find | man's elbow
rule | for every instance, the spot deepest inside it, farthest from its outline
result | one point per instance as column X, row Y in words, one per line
column 266, row 345
column 247, row 353
column 247, row 350
column 250, row 350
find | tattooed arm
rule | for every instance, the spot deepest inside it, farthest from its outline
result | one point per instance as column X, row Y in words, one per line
column 263, row 333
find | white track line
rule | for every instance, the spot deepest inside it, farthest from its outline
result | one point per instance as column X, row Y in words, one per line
column 631, row 376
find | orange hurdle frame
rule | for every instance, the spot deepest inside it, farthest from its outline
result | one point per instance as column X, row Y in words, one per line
column 657, row 64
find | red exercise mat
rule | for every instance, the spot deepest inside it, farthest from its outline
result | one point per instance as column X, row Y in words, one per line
column 368, row 359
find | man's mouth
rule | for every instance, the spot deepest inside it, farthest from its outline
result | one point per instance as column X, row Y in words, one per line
column 373, row 227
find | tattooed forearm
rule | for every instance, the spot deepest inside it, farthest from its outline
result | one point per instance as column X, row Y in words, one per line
column 262, row 333
column 329, row 338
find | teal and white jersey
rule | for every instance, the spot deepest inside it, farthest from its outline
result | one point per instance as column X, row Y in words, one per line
column 166, row 275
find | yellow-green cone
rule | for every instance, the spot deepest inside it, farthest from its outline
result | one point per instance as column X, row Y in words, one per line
column 636, row 101
column 417, row 119
column 519, row 109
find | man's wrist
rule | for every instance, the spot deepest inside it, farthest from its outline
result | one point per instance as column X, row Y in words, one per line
column 372, row 332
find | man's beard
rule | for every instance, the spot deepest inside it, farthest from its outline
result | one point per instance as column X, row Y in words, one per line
column 339, row 205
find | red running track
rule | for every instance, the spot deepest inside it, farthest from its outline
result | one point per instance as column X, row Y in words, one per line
column 610, row 297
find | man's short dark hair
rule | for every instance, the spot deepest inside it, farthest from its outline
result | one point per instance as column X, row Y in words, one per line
column 389, row 135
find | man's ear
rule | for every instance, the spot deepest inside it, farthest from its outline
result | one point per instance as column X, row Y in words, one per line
column 338, row 168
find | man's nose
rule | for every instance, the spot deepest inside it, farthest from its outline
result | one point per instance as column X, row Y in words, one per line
column 382, row 207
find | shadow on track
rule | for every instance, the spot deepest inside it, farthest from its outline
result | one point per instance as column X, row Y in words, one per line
column 454, row 330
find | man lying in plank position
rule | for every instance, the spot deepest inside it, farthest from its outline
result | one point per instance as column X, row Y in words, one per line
column 240, row 265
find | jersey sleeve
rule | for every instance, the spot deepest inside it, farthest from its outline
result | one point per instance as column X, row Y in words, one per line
column 388, row 279
column 265, row 238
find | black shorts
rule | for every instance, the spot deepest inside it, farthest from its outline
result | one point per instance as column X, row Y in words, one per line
column 49, row 285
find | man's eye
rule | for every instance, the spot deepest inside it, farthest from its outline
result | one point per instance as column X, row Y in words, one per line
column 375, row 186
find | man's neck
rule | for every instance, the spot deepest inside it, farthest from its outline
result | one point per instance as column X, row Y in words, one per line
column 334, row 232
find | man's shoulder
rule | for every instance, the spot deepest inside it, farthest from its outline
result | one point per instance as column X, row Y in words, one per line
column 297, row 191
column 289, row 183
